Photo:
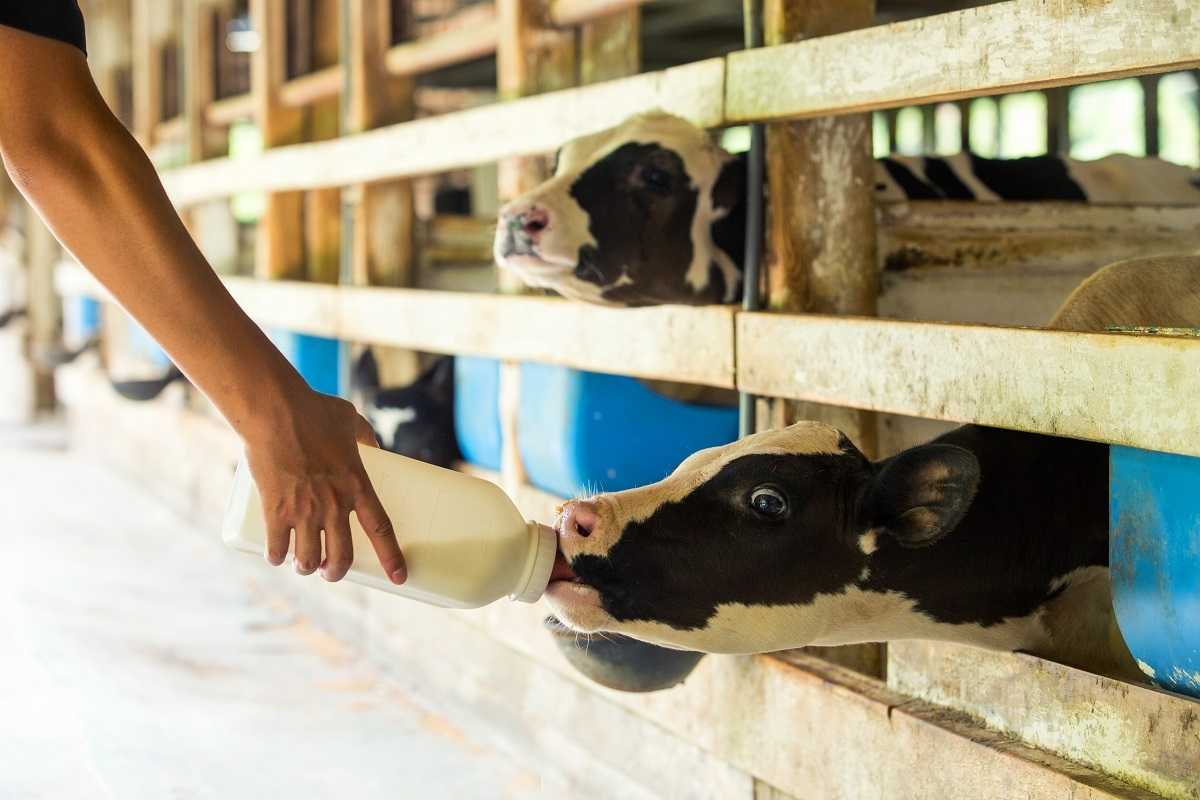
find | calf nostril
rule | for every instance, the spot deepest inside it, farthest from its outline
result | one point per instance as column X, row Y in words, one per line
column 534, row 221
column 579, row 520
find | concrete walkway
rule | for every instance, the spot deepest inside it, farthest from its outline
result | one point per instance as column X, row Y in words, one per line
column 139, row 660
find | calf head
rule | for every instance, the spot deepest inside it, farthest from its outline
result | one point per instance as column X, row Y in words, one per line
column 766, row 544
column 640, row 214
column 416, row 420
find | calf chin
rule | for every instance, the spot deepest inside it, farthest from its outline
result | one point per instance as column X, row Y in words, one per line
column 621, row 663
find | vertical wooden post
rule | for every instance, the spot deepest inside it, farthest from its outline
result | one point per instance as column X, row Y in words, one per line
column 610, row 47
column 1058, row 121
column 382, row 219
column 44, row 310
column 531, row 58
column 198, row 78
column 821, row 237
column 1150, row 113
column 323, row 207
column 280, row 246
column 147, row 77
column 964, row 125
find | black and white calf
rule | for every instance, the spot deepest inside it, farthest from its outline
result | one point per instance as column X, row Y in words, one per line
column 416, row 420
column 792, row 537
column 651, row 211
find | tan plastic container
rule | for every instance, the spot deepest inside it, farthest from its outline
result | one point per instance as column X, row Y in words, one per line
column 465, row 543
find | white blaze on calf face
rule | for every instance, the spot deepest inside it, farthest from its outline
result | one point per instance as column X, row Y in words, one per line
column 626, row 218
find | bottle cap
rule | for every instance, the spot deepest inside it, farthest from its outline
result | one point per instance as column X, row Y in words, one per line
column 546, row 544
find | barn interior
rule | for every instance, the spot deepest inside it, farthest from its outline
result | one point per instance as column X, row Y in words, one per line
column 342, row 164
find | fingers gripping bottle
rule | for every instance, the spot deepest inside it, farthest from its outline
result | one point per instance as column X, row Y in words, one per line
column 465, row 543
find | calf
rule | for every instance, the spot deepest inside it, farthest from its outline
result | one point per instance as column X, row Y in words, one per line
column 651, row 211
column 792, row 537
column 416, row 420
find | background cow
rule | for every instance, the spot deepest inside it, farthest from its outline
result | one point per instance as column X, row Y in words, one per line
column 416, row 420
column 651, row 211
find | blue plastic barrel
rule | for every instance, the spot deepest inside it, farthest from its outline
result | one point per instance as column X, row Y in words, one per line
column 583, row 432
column 1154, row 554
column 317, row 359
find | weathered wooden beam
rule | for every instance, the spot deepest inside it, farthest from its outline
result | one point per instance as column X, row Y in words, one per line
column 610, row 46
column 989, row 238
column 466, row 138
column 322, row 207
column 472, row 33
column 1145, row 735
column 577, row 12
column 280, row 244
column 939, row 58
column 693, row 345
column 1120, row 389
column 820, row 237
column 147, row 72
column 382, row 223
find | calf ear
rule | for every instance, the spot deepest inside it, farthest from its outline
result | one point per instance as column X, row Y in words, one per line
column 922, row 494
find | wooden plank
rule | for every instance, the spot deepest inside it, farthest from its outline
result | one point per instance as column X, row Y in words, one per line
column 610, row 46
column 472, row 33
column 44, row 309
column 147, row 74
column 228, row 110
column 280, row 242
column 692, row 345
column 382, row 216
column 322, row 207
column 1145, row 736
column 1131, row 390
column 475, row 136
column 973, row 237
column 1006, row 47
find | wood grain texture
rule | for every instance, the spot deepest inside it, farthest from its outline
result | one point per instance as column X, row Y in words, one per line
column 1120, row 389
column 523, row 127
column 280, row 242
column 1146, row 736
column 1005, row 47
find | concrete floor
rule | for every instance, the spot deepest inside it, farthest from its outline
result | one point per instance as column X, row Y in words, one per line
column 140, row 660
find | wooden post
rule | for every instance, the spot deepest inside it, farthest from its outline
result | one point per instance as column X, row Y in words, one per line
column 531, row 58
column 610, row 47
column 280, row 246
column 323, row 207
column 44, row 310
column 382, row 213
column 1150, row 113
column 1058, row 121
column 147, row 77
column 821, row 238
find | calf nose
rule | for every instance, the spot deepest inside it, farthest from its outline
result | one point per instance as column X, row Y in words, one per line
column 579, row 520
column 530, row 222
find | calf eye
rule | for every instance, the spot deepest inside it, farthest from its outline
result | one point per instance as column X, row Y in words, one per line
column 768, row 502
column 655, row 179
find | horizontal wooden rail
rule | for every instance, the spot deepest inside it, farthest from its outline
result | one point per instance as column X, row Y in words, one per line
column 478, row 135
column 472, row 33
column 1131, row 390
column 673, row 343
column 228, row 110
column 575, row 12
column 1006, row 47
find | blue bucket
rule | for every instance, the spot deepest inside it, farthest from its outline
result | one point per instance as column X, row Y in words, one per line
column 1154, row 555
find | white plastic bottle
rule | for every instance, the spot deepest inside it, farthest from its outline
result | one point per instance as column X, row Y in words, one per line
column 464, row 542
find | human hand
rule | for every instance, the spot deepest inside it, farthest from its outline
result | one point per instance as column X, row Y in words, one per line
column 306, row 464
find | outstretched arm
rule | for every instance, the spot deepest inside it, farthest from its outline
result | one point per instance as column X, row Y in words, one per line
column 98, row 192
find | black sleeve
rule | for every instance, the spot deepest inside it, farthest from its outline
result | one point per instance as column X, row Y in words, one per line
column 54, row 19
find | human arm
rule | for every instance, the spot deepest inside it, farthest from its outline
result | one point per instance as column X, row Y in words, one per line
column 98, row 192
